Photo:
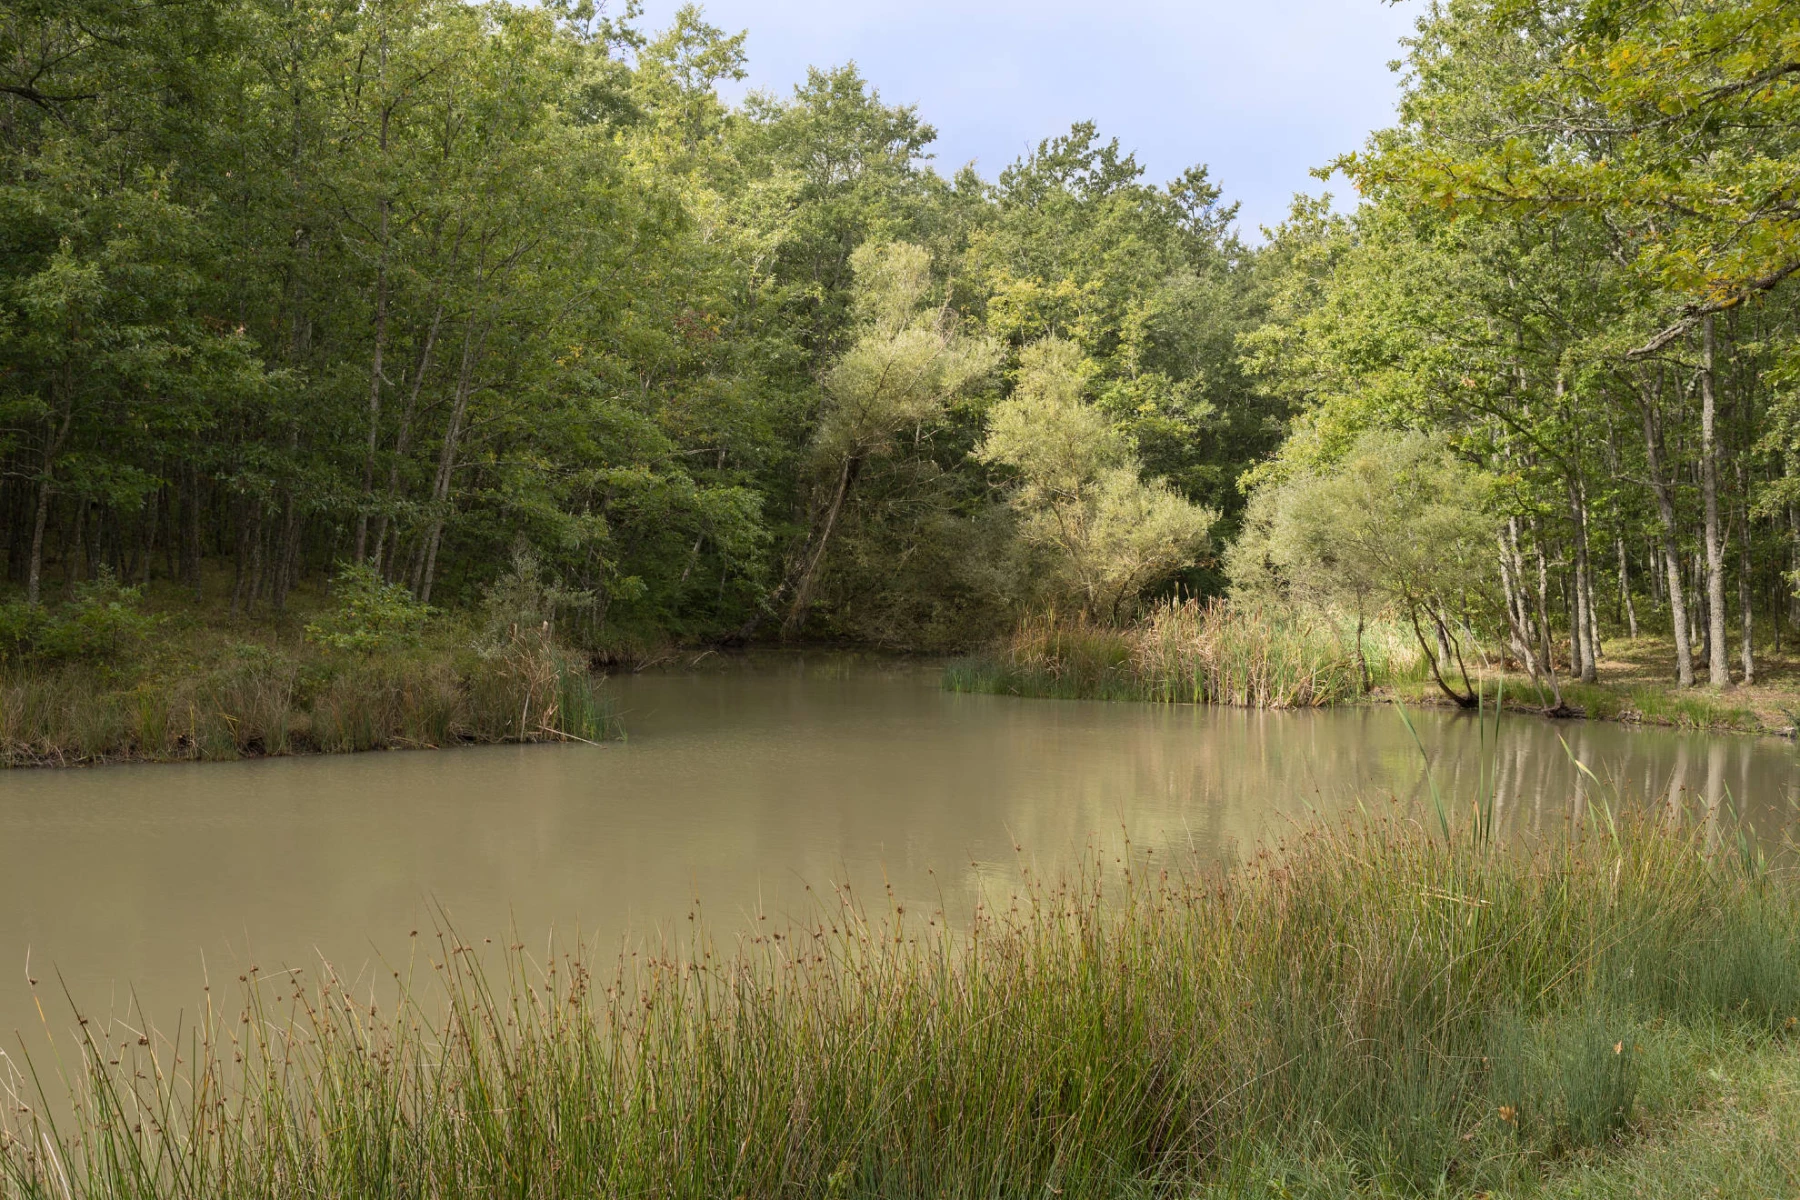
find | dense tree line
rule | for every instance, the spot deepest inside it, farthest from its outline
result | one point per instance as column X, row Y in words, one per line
column 292, row 284
column 410, row 284
column 1570, row 273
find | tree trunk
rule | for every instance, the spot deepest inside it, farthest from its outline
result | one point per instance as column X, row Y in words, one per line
column 403, row 440
column 190, row 550
column 1581, row 622
column 381, row 315
column 815, row 556
column 1665, row 511
column 34, row 572
column 1718, row 663
column 1362, row 658
column 1744, row 581
column 1625, row 590
column 1462, row 701
column 1517, row 623
column 473, row 340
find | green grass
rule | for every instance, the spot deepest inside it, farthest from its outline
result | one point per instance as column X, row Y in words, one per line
column 1194, row 653
column 1368, row 1011
column 1648, row 704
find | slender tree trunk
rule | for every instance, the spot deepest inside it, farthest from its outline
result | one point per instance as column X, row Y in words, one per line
column 381, row 320
column 403, row 438
column 1362, row 658
column 34, row 572
column 815, row 555
column 1433, row 660
column 53, row 443
column 1625, row 589
column 1718, row 663
column 1517, row 620
column 1665, row 511
column 1581, row 623
column 1518, row 625
column 1745, row 561
column 1543, row 612
column 191, row 545
column 473, row 339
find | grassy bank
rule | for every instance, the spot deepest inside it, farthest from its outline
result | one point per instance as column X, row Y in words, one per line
column 114, row 675
column 1378, row 1011
column 1630, row 702
column 1219, row 653
column 1193, row 653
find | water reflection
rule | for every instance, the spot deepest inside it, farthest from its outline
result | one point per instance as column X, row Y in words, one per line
column 739, row 788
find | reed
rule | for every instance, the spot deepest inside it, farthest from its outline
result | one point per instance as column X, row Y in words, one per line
column 261, row 702
column 1381, row 1010
column 1192, row 652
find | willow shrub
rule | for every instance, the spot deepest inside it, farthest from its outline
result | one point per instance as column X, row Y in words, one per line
column 1191, row 652
column 1424, row 1016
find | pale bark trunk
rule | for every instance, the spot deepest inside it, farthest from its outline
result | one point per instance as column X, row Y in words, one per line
column 1625, row 590
column 1665, row 511
column 1746, row 615
column 402, row 441
column 809, row 571
column 1581, row 632
column 1718, row 661
column 1518, row 623
column 440, row 493
column 1543, row 608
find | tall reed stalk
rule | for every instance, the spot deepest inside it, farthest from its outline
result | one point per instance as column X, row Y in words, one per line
column 1188, row 651
column 1422, row 1015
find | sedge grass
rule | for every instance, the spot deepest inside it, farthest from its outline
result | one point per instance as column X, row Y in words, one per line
column 1378, row 1007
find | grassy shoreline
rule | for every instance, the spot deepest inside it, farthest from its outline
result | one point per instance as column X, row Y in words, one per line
column 171, row 681
column 1375, row 1010
column 1215, row 654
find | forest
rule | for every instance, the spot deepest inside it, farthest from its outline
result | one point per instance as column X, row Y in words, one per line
column 402, row 294
column 400, row 374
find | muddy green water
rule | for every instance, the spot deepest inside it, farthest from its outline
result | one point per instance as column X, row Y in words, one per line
column 738, row 787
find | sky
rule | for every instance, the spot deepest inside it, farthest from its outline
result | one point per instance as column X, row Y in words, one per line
column 1261, row 91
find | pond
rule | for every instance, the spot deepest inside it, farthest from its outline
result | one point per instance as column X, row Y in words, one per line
column 739, row 787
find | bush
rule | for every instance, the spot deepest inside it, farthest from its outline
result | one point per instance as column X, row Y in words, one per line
column 101, row 624
column 371, row 614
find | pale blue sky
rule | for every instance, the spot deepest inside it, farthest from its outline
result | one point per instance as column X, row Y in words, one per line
column 1260, row 90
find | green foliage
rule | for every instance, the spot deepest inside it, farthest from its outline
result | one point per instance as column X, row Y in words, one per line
column 101, row 624
column 370, row 614
column 1113, row 535
column 402, row 284
column 1399, row 522
column 1399, row 525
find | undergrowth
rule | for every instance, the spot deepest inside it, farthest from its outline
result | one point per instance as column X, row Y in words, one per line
column 101, row 679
